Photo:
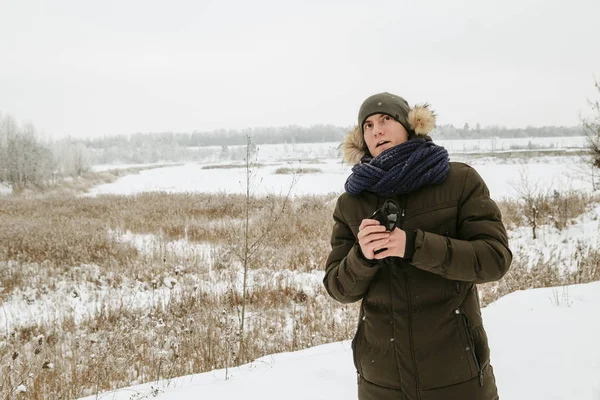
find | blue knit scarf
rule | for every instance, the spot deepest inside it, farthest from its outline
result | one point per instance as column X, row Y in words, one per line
column 400, row 169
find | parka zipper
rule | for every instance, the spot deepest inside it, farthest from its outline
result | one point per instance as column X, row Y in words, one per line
column 403, row 213
column 410, row 328
column 391, row 278
column 410, row 336
column 392, row 273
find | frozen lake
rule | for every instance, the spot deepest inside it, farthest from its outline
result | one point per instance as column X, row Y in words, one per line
column 330, row 174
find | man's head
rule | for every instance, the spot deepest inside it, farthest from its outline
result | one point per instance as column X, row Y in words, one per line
column 385, row 120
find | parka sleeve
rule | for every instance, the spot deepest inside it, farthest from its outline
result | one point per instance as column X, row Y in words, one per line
column 480, row 253
column 348, row 274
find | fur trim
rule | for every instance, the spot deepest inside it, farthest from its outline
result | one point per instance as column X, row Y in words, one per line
column 354, row 147
column 421, row 119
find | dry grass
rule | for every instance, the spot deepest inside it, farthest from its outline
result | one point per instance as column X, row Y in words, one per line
column 63, row 241
column 70, row 231
column 184, row 332
column 557, row 209
column 167, row 313
column 542, row 274
column 234, row 166
column 297, row 171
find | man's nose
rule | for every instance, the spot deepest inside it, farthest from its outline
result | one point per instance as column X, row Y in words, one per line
column 377, row 129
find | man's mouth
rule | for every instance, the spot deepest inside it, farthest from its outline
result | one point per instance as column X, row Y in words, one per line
column 381, row 143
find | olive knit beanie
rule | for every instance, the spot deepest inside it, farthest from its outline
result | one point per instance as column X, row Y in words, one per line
column 385, row 103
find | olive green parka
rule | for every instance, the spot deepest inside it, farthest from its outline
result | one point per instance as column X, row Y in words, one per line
column 420, row 333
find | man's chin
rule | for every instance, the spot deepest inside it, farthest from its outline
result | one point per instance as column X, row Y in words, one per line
column 384, row 147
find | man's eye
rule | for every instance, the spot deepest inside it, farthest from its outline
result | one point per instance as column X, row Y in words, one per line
column 367, row 126
column 387, row 117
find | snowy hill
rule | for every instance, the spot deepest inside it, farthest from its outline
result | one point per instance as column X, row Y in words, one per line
column 544, row 343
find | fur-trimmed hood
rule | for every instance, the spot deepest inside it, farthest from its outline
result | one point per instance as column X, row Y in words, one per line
column 420, row 118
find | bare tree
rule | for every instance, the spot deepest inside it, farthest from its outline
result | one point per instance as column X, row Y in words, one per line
column 592, row 129
column 252, row 239
column 529, row 192
column 71, row 158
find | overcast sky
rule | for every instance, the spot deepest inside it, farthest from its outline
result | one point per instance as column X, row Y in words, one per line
column 87, row 68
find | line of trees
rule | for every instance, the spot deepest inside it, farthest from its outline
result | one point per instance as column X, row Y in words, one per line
column 27, row 161
column 297, row 134
column 198, row 146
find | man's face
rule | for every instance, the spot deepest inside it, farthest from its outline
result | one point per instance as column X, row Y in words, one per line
column 382, row 132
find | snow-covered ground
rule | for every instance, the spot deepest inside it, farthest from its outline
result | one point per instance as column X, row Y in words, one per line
column 505, row 144
column 499, row 172
column 547, row 173
column 108, row 167
column 192, row 177
column 544, row 345
column 563, row 247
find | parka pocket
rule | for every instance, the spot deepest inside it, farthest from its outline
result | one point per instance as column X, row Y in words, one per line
column 440, row 354
column 467, row 342
column 480, row 345
column 477, row 346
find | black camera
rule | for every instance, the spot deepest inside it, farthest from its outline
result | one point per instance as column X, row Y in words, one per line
column 388, row 215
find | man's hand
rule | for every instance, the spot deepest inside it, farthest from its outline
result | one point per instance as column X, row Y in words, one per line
column 372, row 236
column 396, row 246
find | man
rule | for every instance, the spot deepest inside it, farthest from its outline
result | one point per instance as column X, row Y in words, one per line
column 420, row 333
